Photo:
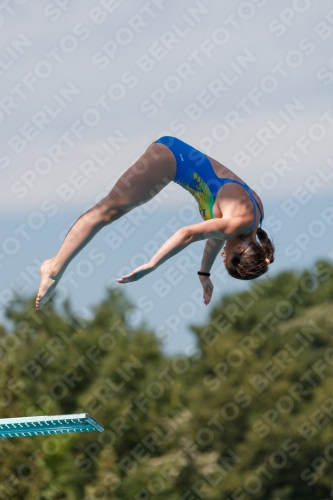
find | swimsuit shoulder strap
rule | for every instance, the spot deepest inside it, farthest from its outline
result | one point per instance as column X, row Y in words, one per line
column 254, row 201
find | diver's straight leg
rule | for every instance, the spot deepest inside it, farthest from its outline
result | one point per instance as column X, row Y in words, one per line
column 154, row 170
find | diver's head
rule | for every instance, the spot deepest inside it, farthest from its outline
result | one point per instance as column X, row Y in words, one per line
column 247, row 257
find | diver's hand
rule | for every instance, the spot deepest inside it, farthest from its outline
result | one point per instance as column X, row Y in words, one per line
column 208, row 288
column 137, row 274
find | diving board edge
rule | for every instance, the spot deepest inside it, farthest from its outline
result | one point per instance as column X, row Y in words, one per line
column 46, row 424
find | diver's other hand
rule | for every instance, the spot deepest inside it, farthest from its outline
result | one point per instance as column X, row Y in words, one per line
column 208, row 288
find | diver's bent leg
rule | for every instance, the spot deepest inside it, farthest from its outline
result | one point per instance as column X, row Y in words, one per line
column 139, row 184
column 83, row 231
column 154, row 170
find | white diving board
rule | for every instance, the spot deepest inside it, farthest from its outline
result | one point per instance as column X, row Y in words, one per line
column 57, row 424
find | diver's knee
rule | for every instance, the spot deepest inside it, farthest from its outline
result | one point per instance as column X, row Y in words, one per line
column 106, row 213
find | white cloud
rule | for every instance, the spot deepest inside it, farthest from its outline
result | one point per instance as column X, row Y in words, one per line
column 255, row 35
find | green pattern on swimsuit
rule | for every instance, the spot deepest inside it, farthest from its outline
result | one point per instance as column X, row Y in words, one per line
column 201, row 192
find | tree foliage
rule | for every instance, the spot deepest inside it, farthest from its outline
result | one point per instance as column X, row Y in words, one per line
column 248, row 416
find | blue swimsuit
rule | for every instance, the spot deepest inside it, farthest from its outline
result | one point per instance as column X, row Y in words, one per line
column 196, row 174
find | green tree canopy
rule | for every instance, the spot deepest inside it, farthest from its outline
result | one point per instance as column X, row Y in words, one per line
column 250, row 416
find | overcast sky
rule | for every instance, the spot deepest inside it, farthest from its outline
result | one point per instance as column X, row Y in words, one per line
column 87, row 86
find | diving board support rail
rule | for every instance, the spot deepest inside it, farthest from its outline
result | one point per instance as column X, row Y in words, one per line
column 56, row 424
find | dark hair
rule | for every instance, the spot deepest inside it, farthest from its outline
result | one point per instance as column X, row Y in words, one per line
column 252, row 263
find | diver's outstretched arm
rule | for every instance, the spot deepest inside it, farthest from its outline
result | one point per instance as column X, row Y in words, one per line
column 181, row 239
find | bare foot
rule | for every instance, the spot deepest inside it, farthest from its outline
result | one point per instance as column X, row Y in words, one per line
column 47, row 284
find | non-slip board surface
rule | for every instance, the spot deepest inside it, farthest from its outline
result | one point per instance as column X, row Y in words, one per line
column 57, row 424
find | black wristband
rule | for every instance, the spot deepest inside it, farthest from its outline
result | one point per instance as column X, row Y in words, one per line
column 203, row 274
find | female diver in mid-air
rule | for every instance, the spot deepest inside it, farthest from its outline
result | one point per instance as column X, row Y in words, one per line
column 231, row 211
